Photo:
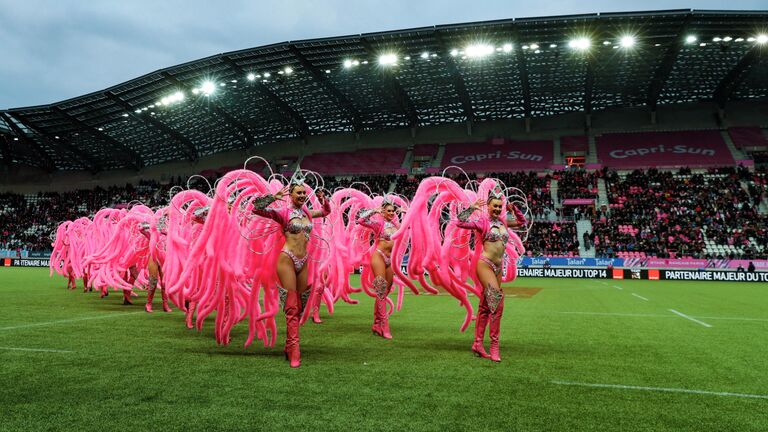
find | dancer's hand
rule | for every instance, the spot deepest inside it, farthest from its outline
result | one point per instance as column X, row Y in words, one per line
column 321, row 196
column 477, row 204
column 279, row 195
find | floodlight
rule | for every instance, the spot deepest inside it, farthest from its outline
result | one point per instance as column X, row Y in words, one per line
column 627, row 41
column 388, row 59
column 208, row 88
column 580, row 44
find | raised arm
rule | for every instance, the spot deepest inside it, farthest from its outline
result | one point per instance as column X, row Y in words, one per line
column 326, row 209
column 463, row 218
column 261, row 207
column 515, row 218
column 364, row 218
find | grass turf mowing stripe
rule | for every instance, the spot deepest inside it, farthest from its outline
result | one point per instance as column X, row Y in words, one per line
column 639, row 296
column 35, row 350
column 735, row 319
column 660, row 389
column 67, row 321
column 690, row 318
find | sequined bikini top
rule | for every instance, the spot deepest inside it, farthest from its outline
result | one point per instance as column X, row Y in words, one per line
column 295, row 225
column 499, row 234
column 385, row 234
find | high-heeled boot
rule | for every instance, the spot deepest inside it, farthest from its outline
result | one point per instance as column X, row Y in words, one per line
column 164, row 296
column 151, row 293
column 292, row 310
column 495, row 329
column 317, row 295
column 480, row 323
column 127, row 297
column 384, row 317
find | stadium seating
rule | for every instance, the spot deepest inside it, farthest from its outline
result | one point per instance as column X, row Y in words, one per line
column 369, row 161
column 714, row 213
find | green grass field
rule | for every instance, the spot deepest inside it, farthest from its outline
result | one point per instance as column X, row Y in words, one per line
column 577, row 355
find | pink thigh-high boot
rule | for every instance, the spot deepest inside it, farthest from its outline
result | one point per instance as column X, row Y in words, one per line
column 151, row 293
column 480, row 323
column 496, row 305
column 381, row 319
column 292, row 316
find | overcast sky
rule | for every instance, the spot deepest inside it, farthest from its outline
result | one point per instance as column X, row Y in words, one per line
column 57, row 49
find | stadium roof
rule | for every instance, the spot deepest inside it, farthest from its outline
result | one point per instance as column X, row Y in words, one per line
column 476, row 72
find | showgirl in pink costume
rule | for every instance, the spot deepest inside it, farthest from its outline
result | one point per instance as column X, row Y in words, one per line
column 492, row 235
column 382, row 221
column 119, row 261
column 443, row 250
column 188, row 210
column 156, row 232
column 228, row 273
column 292, row 267
column 60, row 261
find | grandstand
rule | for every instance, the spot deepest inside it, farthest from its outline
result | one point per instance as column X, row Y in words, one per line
column 624, row 144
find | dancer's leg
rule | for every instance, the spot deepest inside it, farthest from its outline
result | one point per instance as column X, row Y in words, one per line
column 288, row 278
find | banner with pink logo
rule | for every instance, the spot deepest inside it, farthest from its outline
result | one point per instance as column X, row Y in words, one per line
column 505, row 156
column 657, row 149
column 692, row 263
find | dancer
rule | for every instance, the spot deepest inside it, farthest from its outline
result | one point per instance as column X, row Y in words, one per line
column 381, row 262
column 156, row 233
column 492, row 230
column 292, row 268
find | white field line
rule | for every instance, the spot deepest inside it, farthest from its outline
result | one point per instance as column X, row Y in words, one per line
column 661, row 389
column 618, row 287
column 617, row 314
column 40, row 324
column 35, row 350
column 639, row 296
column 690, row 318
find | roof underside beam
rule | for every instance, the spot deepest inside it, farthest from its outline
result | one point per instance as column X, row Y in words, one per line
column 664, row 69
column 736, row 76
column 134, row 160
column 5, row 143
column 48, row 163
column 355, row 117
column 187, row 147
column 245, row 133
column 522, row 70
column 392, row 86
column 298, row 122
column 458, row 80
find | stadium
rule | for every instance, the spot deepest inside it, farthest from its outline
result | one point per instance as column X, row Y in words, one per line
column 638, row 140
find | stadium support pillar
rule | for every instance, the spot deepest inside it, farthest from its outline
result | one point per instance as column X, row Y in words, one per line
column 469, row 127
column 527, row 124
column 588, row 121
column 720, row 116
column 413, row 132
column 653, row 117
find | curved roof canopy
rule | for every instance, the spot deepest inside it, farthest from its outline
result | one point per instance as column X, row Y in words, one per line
column 476, row 72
